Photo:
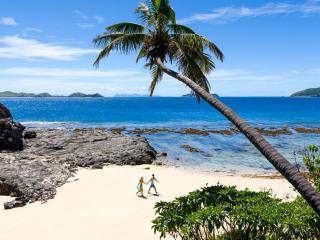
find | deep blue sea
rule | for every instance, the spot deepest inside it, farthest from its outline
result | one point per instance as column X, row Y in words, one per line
column 226, row 153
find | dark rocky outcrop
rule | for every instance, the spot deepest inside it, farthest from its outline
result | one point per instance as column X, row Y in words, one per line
column 29, row 181
column 10, row 132
column 11, row 135
column 4, row 112
column 207, row 132
column 308, row 130
column 274, row 131
column 30, row 134
column 49, row 160
column 191, row 149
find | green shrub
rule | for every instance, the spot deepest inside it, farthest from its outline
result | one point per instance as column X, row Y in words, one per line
column 221, row 212
column 311, row 160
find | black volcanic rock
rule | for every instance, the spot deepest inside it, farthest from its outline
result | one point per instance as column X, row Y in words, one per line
column 30, row 134
column 30, row 181
column 10, row 132
column 4, row 112
column 11, row 137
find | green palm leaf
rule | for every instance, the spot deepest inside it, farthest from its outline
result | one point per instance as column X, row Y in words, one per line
column 123, row 43
column 178, row 29
column 157, row 75
column 126, row 28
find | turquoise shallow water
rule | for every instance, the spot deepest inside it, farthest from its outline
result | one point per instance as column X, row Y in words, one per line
column 228, row 153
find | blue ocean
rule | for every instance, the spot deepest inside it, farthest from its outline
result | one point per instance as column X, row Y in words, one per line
column 219, row 152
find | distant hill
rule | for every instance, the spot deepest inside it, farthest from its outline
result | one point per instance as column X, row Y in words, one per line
column 21, row 94
column 310, row 92
column 79, row 94
column 191, row 95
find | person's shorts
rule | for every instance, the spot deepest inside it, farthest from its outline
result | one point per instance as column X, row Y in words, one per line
column 152, row 185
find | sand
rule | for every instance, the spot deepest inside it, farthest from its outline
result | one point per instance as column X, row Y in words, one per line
column 101, row 204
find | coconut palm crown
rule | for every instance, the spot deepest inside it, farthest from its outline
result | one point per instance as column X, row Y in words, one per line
column 161, row 40
column 160, row 37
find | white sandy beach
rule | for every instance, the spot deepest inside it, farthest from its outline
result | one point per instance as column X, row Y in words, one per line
column 101, row 204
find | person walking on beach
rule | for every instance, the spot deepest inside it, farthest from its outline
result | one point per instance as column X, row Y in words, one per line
column 140, row 187
column 152, row 184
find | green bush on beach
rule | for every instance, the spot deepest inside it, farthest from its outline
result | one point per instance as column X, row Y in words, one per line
column 311, row 161
column 220, row 212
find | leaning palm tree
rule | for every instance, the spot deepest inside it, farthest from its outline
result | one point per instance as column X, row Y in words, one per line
column 160, row 41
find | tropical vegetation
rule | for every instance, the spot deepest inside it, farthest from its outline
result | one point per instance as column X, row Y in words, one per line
column 160, row 41
column 311, row 161
column 221, row 212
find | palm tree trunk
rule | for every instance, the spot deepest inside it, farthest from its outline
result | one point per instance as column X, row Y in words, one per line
column 290, row 172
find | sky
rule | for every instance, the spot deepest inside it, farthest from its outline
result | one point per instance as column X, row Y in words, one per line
column 271, row 48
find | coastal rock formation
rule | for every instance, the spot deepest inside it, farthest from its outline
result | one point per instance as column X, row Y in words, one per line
column 85, row 148
column 206, row 132
column 48, row 160
column 274, row 131
column 308, row 130
column 4, row 112
column 191, row 149
column 10, row 132
column 30, row 134
column 29, row 181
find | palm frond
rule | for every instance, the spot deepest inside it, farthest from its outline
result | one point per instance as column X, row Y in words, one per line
column 103, row 54
column 200, row 41
column 160, row 9
column 178, row 29
column 164, row 8
column 104, row 39
column 212, row 47
column 189, row 67
column 142, row 53
column 203, row 60
column 124, row 43
column 144, row 13
column 126, row 27
column 157, row 75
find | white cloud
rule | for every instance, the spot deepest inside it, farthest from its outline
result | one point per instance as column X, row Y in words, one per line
column 81, row 14
column 9, row 21
column 26, row 31
column 85, row 25
column 32, row 29
column 88, row 21
column 15, row 47
column 226, row 14
column 67, row 73
column 99, row 19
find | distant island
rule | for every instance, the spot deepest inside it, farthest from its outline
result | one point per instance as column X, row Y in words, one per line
column 43, row 95
column 79, row 94
column 191, row 95
column 310, row 92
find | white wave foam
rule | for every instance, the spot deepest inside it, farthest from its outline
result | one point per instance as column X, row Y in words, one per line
column 43, row 123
